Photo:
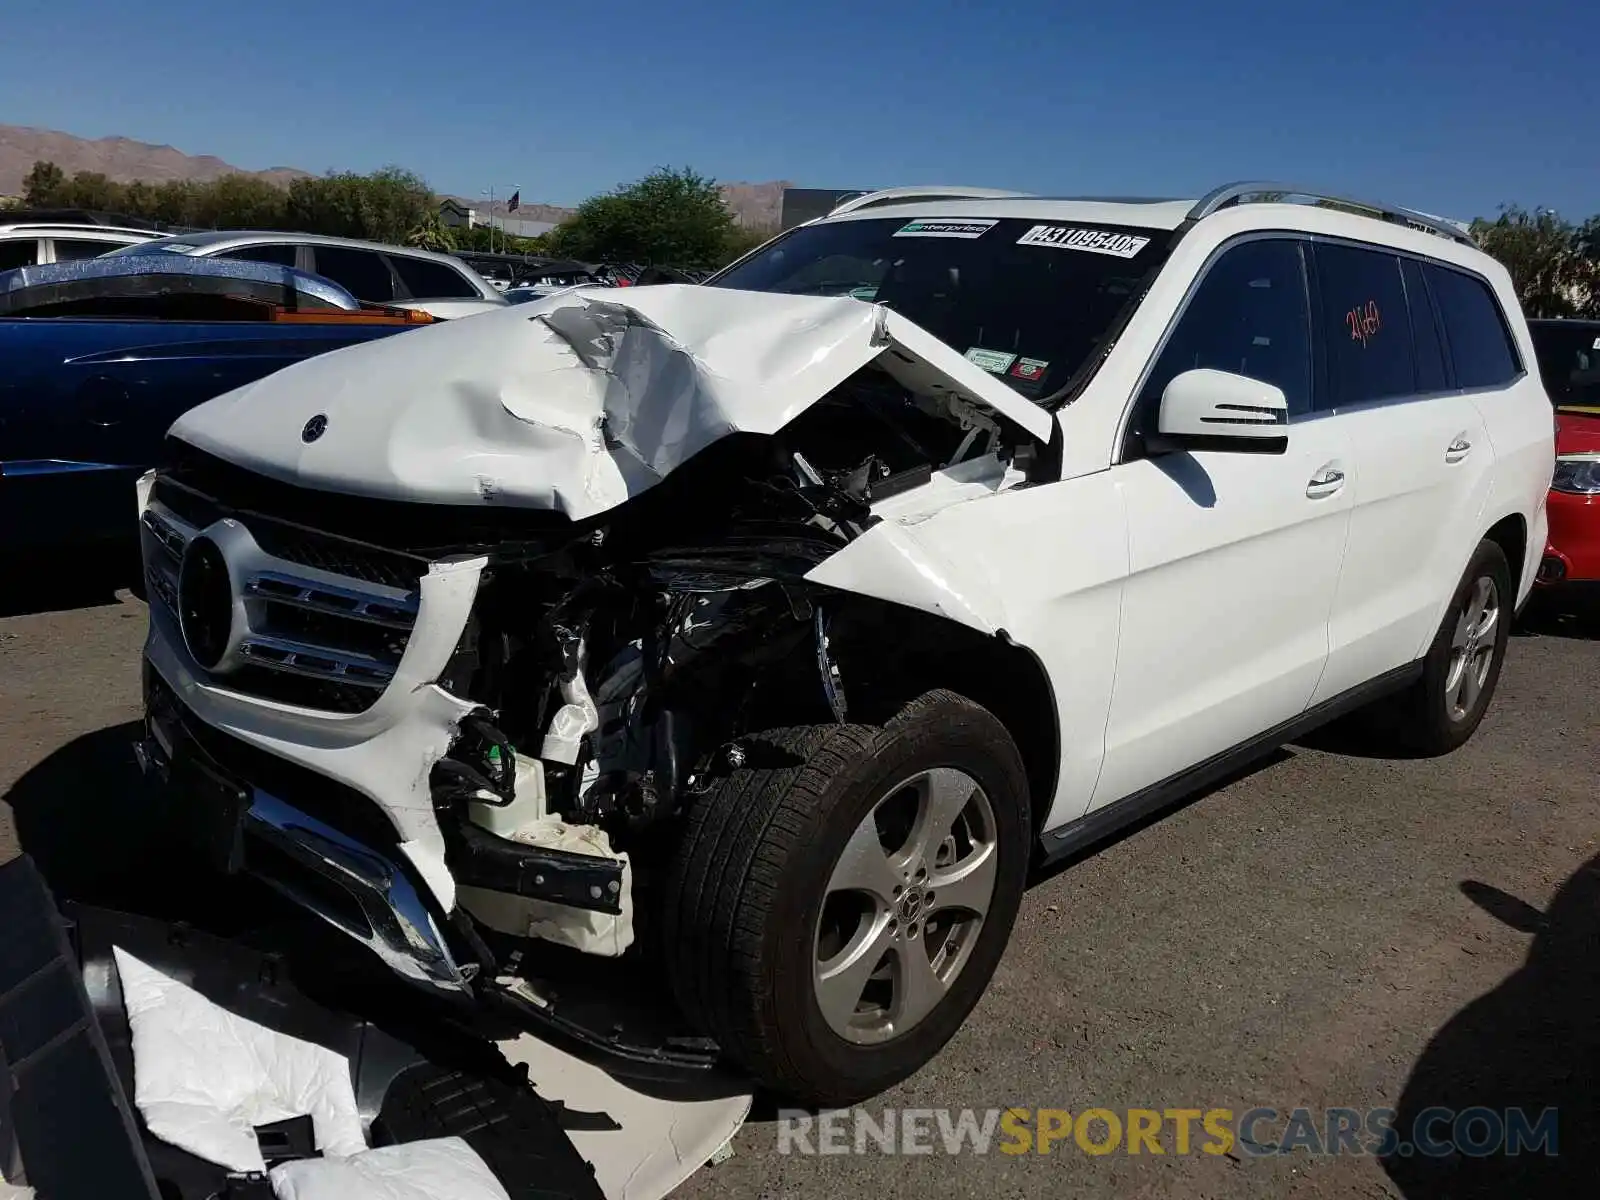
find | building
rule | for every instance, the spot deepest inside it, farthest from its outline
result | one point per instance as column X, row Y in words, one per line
column 455, row 215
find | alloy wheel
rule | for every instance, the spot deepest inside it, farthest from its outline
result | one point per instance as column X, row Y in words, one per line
column 904, row 905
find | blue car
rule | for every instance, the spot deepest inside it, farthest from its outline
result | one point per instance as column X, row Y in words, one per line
column 98, row 357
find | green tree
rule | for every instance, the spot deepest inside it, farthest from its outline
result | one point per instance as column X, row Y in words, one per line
column 1552, row 264
column 43, row 186
column 670, row 217
column 432, row 234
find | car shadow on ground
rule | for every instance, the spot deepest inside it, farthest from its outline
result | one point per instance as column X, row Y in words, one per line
column 1531, row 1044
column 1555, row 615
column 100, row 834
column 57, row 582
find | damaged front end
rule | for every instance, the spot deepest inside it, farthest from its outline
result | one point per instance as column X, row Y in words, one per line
column 451, row 727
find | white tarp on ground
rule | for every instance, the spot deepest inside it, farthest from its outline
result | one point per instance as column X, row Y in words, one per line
column 443, row 1169
column 203, row 1078
column 661, row 1143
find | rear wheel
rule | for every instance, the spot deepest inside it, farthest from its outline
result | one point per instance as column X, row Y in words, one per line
column 840, row 901
column 1443, row 708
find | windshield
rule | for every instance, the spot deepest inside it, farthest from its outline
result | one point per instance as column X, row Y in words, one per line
column 1026, row 300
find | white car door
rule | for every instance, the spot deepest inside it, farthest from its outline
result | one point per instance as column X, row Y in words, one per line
column 1421, row 461
column 1233, row 555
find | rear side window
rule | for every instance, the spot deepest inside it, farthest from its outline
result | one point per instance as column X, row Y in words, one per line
column 363, row 273
column 18, row 252
column 1249, row 316
column 68, row 249
column 1427, row 342
column 426, row 280
column 278, row 255
column 1366, row 326
column 1474, row 328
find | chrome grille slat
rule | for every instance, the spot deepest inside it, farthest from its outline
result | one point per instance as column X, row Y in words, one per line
column 276, row 588
column 301, row 658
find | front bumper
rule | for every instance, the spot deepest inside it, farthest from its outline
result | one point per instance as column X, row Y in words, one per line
column 375, row 897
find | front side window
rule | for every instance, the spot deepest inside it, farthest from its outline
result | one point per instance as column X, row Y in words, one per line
column 1248, row 316
column 1029, row 301
column 1475, row 329
column 362, row 273
column 1366, row 325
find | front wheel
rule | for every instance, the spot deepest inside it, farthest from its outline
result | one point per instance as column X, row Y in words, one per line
column 840, row 901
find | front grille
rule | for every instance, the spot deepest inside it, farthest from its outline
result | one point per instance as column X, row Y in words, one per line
column 330, row 644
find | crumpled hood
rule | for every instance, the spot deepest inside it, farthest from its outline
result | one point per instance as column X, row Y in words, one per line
column 574, row 403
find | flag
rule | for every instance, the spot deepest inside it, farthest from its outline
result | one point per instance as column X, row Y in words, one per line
column 515, row 201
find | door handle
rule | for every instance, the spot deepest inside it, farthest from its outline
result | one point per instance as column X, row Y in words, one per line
column 1457, row 450
column 1327, row 482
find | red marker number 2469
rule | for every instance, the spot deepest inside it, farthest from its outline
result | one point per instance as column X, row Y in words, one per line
column 1363, row 322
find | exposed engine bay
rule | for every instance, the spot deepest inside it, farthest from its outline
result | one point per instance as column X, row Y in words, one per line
column 615, row 669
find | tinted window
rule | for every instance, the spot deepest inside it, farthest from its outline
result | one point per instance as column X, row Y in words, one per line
column 1366, row 326
column 425, row 280
column 363, row 273
column 1026, row 300
column 18, row 252
column 1474, row 329
column 1569, row 360
column 278, row 255
column 68, row 249
column 1427, row 342
column 1249, row 316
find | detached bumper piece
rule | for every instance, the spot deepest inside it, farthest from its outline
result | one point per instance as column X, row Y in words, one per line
column 67, row 1067
column 66, row 1128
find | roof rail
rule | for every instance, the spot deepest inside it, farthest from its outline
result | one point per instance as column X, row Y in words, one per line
column 900, row 195
column 1232, row 194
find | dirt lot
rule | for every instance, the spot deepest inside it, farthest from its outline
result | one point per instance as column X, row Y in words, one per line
column 1329, row 930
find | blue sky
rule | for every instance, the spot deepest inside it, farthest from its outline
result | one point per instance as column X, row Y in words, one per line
column 1453, row 108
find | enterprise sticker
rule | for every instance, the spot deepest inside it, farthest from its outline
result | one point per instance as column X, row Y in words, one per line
column 1095, row 241
column 945, row 229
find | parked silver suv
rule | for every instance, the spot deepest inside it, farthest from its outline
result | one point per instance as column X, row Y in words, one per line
column 437, row 284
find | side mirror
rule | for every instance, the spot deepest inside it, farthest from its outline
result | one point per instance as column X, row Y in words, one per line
column 1217, row 410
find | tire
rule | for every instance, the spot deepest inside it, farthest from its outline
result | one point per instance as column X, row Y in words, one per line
column 1428, row 718
column 748, row 906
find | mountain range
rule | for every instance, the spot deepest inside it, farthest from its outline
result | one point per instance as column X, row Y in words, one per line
column 124, row 160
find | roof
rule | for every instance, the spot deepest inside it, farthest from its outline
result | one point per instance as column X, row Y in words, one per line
column 177, row 265
column 245, row 237
column 1152, row 213
column 58, row 228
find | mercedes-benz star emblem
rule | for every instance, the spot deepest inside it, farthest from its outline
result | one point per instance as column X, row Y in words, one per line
column 205, row 602
column 314, row 428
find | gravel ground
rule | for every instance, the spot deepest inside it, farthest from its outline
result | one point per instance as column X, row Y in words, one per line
column 1328, row 930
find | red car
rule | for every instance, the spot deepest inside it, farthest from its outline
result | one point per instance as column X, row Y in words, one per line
column 1569, row 361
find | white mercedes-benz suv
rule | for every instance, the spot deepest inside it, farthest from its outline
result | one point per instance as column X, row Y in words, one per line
column 762, row 634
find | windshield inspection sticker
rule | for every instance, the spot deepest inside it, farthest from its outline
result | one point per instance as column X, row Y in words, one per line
column 1030, row 370
column 990, row 360
column 945, row 229
column 1095, row 241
